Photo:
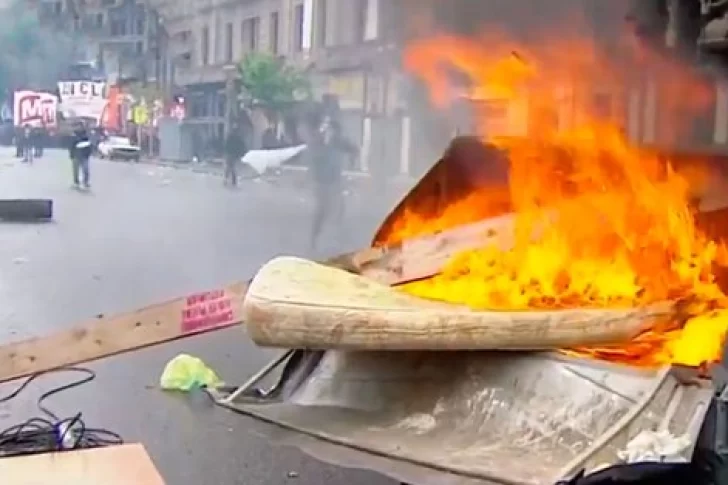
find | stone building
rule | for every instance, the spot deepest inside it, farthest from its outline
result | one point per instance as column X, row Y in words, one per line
column 114, row 37
column 345, row 46
column 202, row 39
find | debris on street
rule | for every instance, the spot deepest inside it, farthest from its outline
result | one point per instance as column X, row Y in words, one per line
column 185, row 372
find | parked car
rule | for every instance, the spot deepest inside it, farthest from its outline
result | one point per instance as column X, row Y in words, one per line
column 117, row 147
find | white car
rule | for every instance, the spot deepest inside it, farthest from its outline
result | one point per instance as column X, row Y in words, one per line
column 119, row 148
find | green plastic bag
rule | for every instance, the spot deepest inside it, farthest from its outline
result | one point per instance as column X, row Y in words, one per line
column 186, row 372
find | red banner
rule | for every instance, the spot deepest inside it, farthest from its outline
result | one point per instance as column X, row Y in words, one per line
column 110, row 118
column 207, row 310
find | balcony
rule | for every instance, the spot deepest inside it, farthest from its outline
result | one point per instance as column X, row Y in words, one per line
column 180, row 43
column 121, row 40
column 50, row 15
column 364, row 55
column 186, row 76
column 173, row 10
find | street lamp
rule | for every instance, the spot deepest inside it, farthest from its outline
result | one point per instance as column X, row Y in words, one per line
column 231, row 99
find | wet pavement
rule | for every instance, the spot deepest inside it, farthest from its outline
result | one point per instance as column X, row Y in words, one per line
column 145, row 234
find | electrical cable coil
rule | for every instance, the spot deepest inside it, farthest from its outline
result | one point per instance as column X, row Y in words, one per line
column 51, row 433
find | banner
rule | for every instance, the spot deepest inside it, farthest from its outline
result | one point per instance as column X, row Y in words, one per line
column 34, row 108
column 110, row 118
column 82, row 99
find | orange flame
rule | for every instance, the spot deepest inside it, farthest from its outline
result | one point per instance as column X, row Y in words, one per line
column 598, row 223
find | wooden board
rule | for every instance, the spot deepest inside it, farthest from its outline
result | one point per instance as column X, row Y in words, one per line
column 295, row 303
column 113, row 465
column 101, row 337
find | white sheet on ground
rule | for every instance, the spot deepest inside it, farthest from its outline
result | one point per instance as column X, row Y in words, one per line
column 262, row 160
column 651, row 445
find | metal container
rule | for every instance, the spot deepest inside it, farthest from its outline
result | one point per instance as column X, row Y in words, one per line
column 469, row 417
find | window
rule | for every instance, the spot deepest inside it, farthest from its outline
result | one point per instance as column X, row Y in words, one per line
column 274, row 32
column 249, row 32
column 99, row 20
column 140, row 23
column 254, row 33
column 371, row 19
column 58, row 7
column 298, row 28
column 602, row 105
column 361, row 20
column 118, row 27
column 182, row 37
column 321, row 23
column 229, row 42
column 139, row 47
column 196, row 106
column 185, row 60
column 220, row 104
column 80, row 71
column 205, row 46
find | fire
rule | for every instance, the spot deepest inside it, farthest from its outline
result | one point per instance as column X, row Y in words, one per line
column 597, row 222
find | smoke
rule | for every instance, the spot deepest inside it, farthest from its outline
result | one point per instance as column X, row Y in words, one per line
column 34, row 52
column 625, row 39
column 432, row 128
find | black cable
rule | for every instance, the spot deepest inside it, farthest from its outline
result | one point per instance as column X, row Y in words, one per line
column 41, row 435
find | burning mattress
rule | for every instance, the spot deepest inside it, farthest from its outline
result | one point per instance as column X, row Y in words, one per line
column 295, row 303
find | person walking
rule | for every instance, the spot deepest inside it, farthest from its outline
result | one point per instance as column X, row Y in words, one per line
column 269, row 140
column 234, row 150
column 42, row 140
column 326, row 148
column 28, row 150
column 18, row 137
column 36, row 135
column 80, row 152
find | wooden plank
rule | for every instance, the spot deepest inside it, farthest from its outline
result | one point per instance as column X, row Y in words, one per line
column 105, row 336
column 113, row 465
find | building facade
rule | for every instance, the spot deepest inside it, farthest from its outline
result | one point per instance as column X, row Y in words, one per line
column 204, row 37
column 354, row 47
column 351, row 48
column 114, row 37
column 342, row 44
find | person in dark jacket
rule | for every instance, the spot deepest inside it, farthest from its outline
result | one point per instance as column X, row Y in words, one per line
column 80, row 152
column 270, row 139
column 234, row 150
column 18, row 136
column 37, row 140
column 326, row 149
column 27, row 143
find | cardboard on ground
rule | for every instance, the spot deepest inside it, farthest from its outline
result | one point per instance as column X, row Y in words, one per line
column 113, row 465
